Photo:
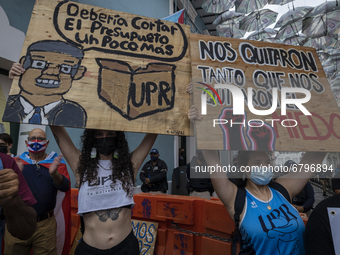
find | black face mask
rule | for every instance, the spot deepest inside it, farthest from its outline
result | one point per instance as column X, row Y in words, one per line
column 3, row 149
column 154, row 158
column 105, row 145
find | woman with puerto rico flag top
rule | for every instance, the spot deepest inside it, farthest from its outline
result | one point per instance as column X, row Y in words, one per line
column 48, row 179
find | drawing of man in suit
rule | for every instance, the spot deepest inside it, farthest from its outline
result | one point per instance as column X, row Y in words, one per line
column 50, row 68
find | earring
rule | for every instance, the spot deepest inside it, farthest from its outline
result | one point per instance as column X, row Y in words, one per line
column 244, row 176
column 93, row 153
column 115, row 154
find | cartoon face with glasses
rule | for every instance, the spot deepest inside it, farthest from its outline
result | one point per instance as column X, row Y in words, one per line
column 50, row 68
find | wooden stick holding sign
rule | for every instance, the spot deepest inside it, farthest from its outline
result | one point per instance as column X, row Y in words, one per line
column 146, row 233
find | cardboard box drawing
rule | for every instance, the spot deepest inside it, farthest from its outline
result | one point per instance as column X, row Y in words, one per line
column 136, row 93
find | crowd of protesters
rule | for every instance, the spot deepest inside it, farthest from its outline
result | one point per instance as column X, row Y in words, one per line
column 265, row 211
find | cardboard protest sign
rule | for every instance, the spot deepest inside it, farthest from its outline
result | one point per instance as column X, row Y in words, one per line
column 90, row 67
column 261, row 96
column 146, row 233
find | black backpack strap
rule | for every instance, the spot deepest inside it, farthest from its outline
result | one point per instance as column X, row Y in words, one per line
column 82, row 225
column 2, row 214
column 277, row 186
column 238, row 207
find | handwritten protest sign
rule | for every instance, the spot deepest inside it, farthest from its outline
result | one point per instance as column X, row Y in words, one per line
column 146, row 233
column 261, row 96
column 92, row 67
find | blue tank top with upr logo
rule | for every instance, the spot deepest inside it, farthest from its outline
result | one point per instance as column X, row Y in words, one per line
column 277, row 231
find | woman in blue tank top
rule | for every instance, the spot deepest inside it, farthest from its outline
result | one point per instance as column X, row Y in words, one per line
column 269, row 224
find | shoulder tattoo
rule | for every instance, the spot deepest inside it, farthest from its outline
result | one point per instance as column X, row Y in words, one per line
column 112, row 214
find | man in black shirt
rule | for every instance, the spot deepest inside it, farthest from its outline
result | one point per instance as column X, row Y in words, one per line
column 182, row 157
column 322, row 234
column 153, row 174
column 336, row 183
column 199, row 183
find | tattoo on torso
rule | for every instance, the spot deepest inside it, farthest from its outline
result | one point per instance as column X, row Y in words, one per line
column 112, row 214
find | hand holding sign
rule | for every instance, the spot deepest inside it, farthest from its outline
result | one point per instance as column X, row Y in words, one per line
column 16, row 69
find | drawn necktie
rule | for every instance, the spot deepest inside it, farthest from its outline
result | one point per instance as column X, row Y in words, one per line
column 36, row 119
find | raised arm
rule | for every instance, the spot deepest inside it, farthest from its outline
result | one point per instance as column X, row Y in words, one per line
column 225, row 189
column 141, row 152
column 294, row 182
column 69, row 151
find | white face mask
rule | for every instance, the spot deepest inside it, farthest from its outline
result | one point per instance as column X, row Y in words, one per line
column 260, row 177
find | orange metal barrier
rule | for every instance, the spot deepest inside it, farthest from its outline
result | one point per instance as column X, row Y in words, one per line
column 183, row 219
column 189, row 214
column 304, row 217
column 75, row 218
column 181, row 222
column 165, row 209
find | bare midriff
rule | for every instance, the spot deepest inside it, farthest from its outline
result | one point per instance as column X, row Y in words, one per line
column 106, row 234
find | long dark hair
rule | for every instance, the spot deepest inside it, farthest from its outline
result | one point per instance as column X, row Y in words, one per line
column 122, row 165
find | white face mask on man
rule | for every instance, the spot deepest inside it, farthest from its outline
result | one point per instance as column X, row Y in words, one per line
column 259, row 176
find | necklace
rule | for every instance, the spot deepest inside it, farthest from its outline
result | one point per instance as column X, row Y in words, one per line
column 107, row 169
column 37, row 162
column 268, row 206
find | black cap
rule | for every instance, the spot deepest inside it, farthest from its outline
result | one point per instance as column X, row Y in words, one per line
column 154, row 151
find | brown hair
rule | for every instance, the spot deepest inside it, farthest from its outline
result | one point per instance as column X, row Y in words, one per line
column 6, row 138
